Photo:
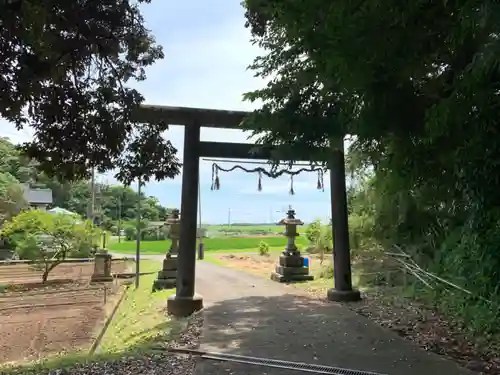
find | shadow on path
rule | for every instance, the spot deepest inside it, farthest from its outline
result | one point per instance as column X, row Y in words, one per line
column 285, row 326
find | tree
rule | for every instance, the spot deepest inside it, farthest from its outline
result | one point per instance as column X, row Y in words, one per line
column 313, row 231
column 417, row 85
column 48, row 239
column 75, row 196
column 64, row 69
column 11, row 197
column 320, row 238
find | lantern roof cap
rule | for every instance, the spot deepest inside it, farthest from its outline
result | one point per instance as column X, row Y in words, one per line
column 174, row 217
column 287, row 221
column 290, row 218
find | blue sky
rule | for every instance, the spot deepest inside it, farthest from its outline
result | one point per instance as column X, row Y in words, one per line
column 207, row 50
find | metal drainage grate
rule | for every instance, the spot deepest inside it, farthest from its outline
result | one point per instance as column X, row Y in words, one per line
column 276, row 363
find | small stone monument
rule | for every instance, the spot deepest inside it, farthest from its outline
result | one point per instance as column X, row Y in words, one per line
column 167, row 277
column 291, row 263
column 102, row 266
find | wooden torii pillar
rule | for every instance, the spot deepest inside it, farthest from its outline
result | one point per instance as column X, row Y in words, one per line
column 186, row 301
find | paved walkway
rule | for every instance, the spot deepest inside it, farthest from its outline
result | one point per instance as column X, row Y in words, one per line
column 248, row 315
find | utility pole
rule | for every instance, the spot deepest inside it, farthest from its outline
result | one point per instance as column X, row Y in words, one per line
column 228, row 217
column 119, row 218
column 138, row 235
column 91, row 215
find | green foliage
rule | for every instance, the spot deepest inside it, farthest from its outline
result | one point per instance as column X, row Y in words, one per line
column 113, row 202
column 130, row 232
column 263, row 248
column 78, row 59
column 320, row 239
column 313, row 231
column 11, row 197
column 417, row 85
column 211, row 244
column 48, row 239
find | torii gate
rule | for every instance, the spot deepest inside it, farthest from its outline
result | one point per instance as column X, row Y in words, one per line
column 185, row 301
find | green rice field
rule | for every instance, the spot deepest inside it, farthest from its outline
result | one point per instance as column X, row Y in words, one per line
column 214, row 244
column 246, row 230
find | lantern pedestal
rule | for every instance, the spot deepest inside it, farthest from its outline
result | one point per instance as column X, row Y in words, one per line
column 291, row 269
column 102, row 267
column 291, row 264
column 167, row 277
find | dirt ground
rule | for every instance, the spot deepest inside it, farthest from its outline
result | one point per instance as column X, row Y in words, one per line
column 24, row 273
column 262, row 265
column 60, row 316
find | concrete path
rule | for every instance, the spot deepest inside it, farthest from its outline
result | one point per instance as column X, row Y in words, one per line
column 248, row 315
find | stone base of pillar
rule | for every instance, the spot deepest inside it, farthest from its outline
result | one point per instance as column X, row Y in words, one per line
column 167, row 277
column 184, row 306
column 102, row 267
column 335, row 295
column 291, row 269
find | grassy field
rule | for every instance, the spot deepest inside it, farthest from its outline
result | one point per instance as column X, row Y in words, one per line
column 216, row 244
column 222, row 230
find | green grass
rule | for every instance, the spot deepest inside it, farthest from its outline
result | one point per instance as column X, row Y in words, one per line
column 248, row 229
column 217, row 244
column 139, row 324
column 140, row 319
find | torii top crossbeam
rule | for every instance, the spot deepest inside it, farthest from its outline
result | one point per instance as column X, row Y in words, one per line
column 210, row 118
column 203, row 117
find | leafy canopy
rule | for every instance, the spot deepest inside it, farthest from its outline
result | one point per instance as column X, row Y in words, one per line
column 417, row 83
column 11, row 197
column 65, row 69
column 48, row 239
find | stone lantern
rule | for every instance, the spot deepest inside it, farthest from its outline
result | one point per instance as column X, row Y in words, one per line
column 102, row 266
column 167, row 277
column 291, row 263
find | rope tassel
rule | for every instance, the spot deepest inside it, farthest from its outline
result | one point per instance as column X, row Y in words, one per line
column 320, row 185
column 259, row 185
column 292, row 192
column 212, row 187
column 217, row 181
column 215, row 177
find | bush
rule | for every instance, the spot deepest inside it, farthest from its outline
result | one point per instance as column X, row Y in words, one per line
column 153, row 235
column 48, row 239
column 313, row 231
column 323, row 241
column 326, row 272
column 263, row 248
column 130, row 233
